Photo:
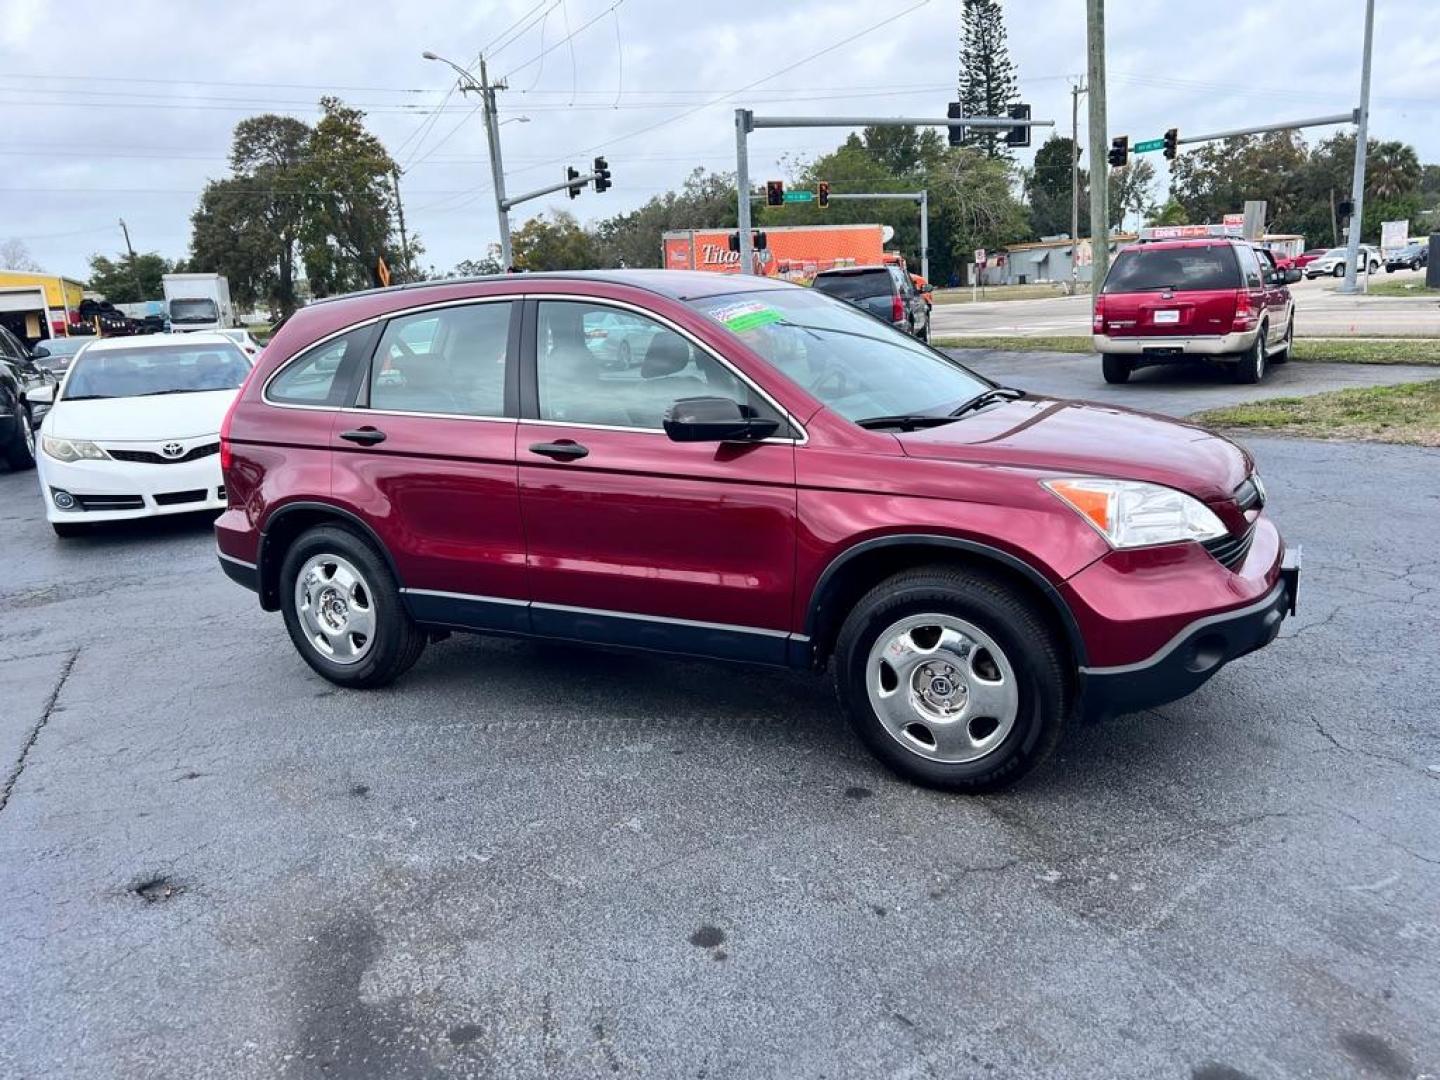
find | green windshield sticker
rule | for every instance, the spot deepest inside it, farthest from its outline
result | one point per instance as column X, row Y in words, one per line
column 746, row 316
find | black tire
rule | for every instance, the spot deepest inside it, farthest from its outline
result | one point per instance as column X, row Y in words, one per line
column 1117, row 369
column 1339, row 271
column 1027, row 640
column 1390, row 269
column 396, row 642
column 66, row 530
column 1251, row 366
column 20, row 454
column 924, row 335
column 1282, row 354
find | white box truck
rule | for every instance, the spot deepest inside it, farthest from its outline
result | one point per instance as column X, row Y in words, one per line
column 198, row 302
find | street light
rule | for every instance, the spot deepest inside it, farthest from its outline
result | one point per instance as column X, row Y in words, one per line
column 493, row 123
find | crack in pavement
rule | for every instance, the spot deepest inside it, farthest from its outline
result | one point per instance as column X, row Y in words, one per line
column 39, row 724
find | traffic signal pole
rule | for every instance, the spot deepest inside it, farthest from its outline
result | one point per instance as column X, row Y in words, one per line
column 1099, row 137
column 746, row 121
column 1362, row 135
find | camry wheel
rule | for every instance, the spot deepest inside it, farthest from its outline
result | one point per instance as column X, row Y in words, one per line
column 343, row 610
column 20, row 454
column 951, row 679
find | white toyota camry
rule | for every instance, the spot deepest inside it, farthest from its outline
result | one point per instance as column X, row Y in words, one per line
column 135, row 429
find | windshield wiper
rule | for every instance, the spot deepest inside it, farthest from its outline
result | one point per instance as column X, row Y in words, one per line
column 987, row 397
column 88, row 397
column 905, row 421
column 177, row 390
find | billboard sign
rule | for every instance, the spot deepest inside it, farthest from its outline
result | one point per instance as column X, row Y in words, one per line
column 1394, row 235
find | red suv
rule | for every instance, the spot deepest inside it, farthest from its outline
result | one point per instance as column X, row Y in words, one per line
column 1210, row 299
column 782, row 479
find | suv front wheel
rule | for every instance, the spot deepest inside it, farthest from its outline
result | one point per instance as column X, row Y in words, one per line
column 343, row 610
column 951, row 679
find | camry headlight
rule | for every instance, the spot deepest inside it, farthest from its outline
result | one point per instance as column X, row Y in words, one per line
column 71, row 449
column 1131, row 513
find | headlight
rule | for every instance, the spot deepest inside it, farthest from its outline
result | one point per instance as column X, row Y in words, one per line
column 71, row 449
column 1131, row 513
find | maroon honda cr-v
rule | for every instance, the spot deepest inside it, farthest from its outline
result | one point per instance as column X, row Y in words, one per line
column 781, row 479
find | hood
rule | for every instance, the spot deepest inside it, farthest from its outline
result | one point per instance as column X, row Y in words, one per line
column 140, row 419
column 1076, row 438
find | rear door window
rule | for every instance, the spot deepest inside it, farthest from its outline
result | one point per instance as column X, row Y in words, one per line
column 1181, row 269
column 449, row 360
column 856, row 286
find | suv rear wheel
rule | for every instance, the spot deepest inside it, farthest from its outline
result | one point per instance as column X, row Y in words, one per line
column 1251, row 367
column 1117, row 368
column 951, row 679
column 343, row 610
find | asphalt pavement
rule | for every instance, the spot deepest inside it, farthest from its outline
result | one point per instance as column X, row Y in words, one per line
column 1320, row 311
column 541, row 860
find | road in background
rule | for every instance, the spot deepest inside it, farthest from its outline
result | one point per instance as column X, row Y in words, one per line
column 534, row 859
column 1320, row 312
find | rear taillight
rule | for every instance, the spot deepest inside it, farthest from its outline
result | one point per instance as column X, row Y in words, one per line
column 897, row 309
column 225, row 455
column 1244, row 317
column 1097, row 324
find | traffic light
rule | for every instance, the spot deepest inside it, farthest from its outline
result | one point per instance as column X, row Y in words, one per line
column 1172, row 143
column 774, row 192
column 761, row 243
column 1345, row 207
column 733, row 241
column 954, row 111
column 572, row 174
column 757, row 241
column 822, row 194
column 601, row 170
column 1018, row 136
column 1120, row 151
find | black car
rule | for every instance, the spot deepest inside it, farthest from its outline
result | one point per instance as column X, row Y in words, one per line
column 1412, row 256
column 884, row 291
column 26, row 393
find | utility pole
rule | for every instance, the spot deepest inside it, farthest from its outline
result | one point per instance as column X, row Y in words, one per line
column 1362, row 133
column 134, row 270
column 1075, row 92
column 400, row 213
column 1099, row 139
column 487, row 90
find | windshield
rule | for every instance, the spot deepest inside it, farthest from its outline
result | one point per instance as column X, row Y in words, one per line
column 1182, row 269
column 159, row 369
column 856, row 364
column 856, row 286
column 195, row 309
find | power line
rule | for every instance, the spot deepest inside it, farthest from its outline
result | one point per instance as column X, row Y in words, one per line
column 541, row 19
column 579, row 30
column 212, row 82
column 491, row 44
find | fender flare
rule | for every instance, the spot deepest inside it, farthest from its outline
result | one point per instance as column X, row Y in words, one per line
column 269, row 566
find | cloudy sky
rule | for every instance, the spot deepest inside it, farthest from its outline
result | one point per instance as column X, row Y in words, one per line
column 130, row 120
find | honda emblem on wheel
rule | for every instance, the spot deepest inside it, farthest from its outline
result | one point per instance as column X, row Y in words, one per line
column 172, row 449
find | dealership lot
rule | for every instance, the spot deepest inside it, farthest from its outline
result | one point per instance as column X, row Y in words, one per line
column 534, row 859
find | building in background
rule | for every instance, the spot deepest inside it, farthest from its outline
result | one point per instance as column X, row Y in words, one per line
column 38, row 306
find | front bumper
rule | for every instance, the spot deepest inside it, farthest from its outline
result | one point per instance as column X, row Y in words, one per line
column 1190, row 658
column 1162, row 348
column 121, row 490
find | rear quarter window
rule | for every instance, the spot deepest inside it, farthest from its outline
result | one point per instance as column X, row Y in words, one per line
column 325, row 374
column 1182, row 269
column 856, row 286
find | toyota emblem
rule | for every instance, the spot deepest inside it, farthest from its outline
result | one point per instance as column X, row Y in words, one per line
column 172, row 449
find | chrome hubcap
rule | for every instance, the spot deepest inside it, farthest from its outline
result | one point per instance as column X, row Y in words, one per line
column 336, row 608
column 942, row 688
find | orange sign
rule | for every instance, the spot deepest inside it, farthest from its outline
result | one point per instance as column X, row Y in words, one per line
column 796, row 253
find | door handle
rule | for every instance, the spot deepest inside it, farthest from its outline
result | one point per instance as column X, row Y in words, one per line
column 365, row 436
column 564, row 450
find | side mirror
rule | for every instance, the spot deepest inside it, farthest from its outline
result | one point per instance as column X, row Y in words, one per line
column 1292, row 276
column 714, row 419
column 927, row 288
column 39, row 352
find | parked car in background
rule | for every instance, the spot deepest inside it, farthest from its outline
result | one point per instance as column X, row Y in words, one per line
column 1333, row 262
column 620, row 339
column 34, row 385
column 1303, row 260
column 1212, row 299
column 884, row 291
column 55, row 354
column 242, row 337
column 135, row 430
column 1412, row 256
column 782, row 481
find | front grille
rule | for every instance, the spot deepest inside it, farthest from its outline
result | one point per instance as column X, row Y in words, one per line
column 1230, row 550
column 150, row 457
column 110, row 502
column 175, row 498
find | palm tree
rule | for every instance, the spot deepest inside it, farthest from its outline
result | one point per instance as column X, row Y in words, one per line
column 1392, row 170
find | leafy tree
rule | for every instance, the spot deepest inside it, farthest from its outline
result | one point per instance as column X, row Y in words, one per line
column 231, row 234
column 124, row 280
column 1047, row 189
column 705, row 201
column 1172, row 213
column 270, row 152
column 1218, row 177
column 490, row 264
column 903, row 151
column 560, row 244
column 1131, row 192
column 347, row 180
column 971, row 205
column 987, row 75
column 15, row 255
